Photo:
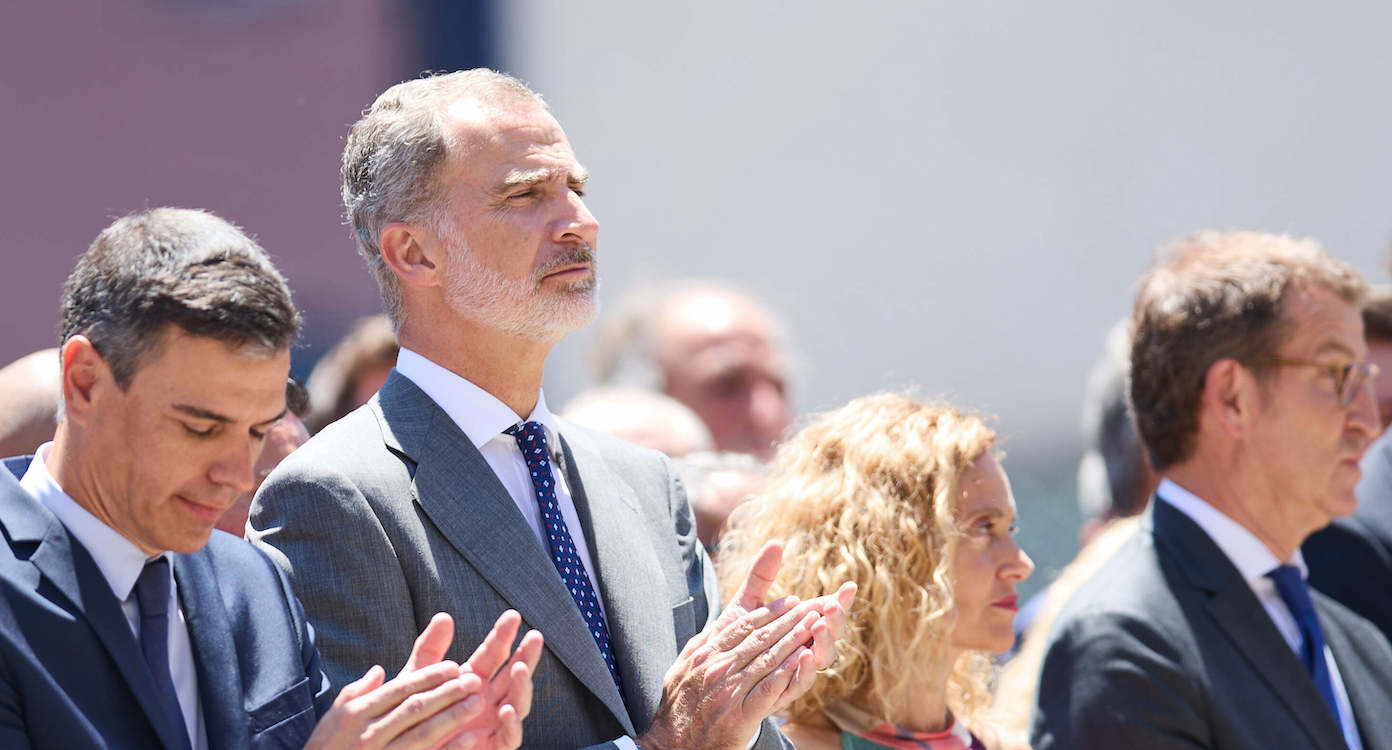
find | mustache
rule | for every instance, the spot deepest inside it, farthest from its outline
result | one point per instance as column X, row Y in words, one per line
column 581, row 254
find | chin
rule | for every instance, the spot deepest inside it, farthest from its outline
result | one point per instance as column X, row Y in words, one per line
column 987, row 639
column 1341, row 506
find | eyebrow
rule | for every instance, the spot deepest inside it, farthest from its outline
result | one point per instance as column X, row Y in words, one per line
column 199, row 412
column 991, row 512
column 1334, row 347
column 520, row 177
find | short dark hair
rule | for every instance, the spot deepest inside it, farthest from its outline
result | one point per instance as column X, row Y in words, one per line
column 296, row 398
column 1213, row 296
column 1377, row 313
column 180, row 267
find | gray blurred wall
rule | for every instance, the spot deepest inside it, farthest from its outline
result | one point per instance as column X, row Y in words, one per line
column 958, row 197
column 952, row 197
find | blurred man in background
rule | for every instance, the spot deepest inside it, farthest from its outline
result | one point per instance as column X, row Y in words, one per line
column 282, row 438
column 716, row 484
column 347, row 376
column 709, row 347
column 641, row 417
column 28, row 402
column 1377, row 328
column 1115, row 483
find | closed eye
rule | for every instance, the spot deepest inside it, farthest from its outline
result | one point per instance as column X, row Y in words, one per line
column 190, row 429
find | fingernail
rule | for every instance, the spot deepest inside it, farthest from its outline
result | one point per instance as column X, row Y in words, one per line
column 783, row 605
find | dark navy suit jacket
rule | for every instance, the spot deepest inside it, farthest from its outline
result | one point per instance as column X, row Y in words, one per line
column 1168, row 648
column 71, row 672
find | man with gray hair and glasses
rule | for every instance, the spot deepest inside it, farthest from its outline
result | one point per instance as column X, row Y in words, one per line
column 126, row 620
column 1250, row 387
column 456, row 488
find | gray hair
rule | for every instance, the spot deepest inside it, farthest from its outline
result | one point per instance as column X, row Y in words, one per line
column 395, row 153
column 180, row 267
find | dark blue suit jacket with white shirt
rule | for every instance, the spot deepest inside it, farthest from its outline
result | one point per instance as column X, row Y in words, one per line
column 71, row 672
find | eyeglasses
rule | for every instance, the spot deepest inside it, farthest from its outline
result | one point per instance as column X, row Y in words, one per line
column 1348, row 379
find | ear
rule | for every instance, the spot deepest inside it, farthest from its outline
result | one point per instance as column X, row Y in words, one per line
column 85, row 379
column 411, row 251
column 1231, row 395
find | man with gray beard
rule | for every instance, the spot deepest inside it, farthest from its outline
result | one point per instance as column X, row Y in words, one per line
column 456, row 489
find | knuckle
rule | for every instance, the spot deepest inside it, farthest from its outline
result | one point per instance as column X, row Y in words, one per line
column 414, row 706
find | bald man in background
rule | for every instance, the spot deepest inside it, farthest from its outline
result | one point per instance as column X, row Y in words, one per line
column 28, row 402
column 710, row 347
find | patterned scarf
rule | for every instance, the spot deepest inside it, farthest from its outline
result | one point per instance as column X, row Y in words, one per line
column 870, row 732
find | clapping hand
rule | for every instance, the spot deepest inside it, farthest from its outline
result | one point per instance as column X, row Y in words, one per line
column 435, row 704
column 755, row 659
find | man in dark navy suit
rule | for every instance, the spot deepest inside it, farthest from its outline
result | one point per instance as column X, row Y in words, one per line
column 122, row 623
column 1251, row 386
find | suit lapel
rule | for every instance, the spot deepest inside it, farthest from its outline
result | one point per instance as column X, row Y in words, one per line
column 210, row 634
column 1241, row 617
column 1366, row 697
column 72, row 573
column 640, row 624
column 457, row 489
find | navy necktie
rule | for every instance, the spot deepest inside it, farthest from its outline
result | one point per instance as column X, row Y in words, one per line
column 152, row 594
column 531, row 438
column 1291, row 586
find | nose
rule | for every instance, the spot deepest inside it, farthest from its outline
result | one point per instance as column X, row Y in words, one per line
column 1018, row 566
column 768, row 409
column 235, row 465
column 1363, row 412
column 577, row 225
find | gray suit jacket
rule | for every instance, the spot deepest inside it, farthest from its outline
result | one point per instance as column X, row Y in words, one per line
column 1168, row 647
column 391, row 515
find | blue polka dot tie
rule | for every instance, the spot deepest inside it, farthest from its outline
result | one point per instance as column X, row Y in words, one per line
column 531, row 438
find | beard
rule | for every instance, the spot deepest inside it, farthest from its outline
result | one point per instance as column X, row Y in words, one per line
column 521, row 307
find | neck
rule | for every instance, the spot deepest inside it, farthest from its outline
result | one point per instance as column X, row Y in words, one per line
column 927, row 711
column 504, row 365
column 1245, row 498
column 74, row 477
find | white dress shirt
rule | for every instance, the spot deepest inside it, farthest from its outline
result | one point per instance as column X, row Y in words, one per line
column 482, row 418
column 121, row 563
column 1253, row 561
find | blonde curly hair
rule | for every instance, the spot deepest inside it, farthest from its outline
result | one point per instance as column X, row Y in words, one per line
column 868, row 493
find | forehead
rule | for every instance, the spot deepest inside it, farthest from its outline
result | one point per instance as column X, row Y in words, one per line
column 235, row 381
column 488, row 141
column 1322, row 322
column 703, row 321
column 984, row 488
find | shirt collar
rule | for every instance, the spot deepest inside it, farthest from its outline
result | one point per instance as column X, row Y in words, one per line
column 117, row 557
column 478, row 413
column 1251, row 557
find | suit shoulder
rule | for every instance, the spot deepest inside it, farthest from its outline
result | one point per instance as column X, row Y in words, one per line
column 350, row 452
column 240, row 563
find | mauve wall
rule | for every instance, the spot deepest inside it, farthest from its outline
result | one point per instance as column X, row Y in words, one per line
column 236, row 107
